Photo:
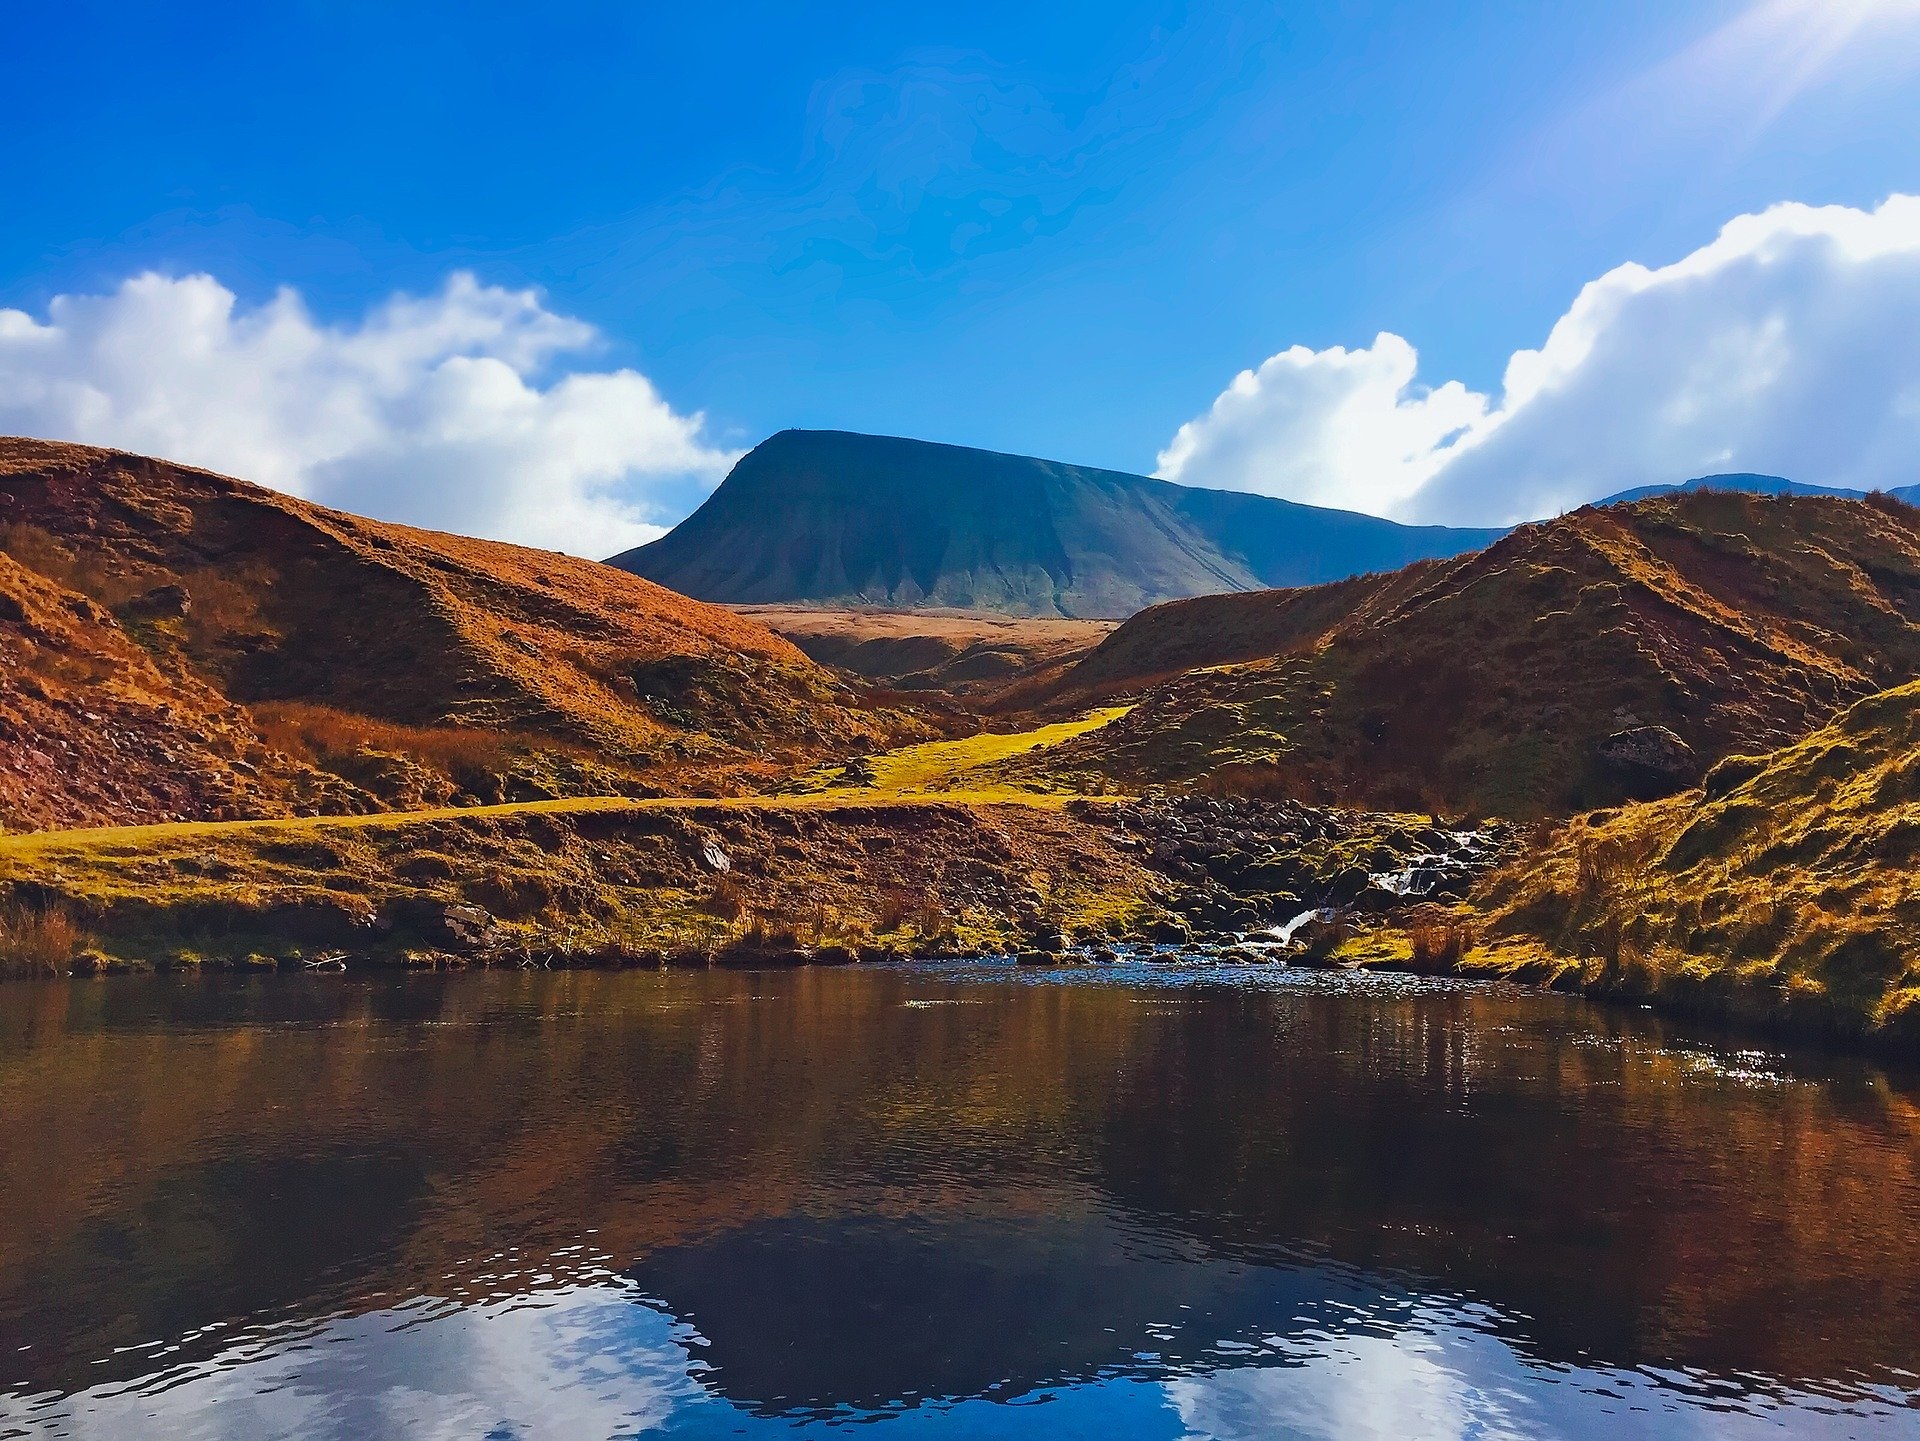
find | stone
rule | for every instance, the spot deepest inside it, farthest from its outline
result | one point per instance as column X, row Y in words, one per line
column 1316, row 939
column 1651, row 760
column 162, row 600
column 450, row 925
column 1170, row 931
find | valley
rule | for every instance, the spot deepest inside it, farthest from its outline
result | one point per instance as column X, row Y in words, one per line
column 252, row 734
column 932, row 651
column 1144, row 722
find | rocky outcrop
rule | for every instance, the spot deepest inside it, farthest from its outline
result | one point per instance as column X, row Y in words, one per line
column 1241, row 864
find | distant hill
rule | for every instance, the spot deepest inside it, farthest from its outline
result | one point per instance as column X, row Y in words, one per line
column 1752, row 484
column 176, row 644
column 836, row 518
column 1611, row 653
column 929, row 650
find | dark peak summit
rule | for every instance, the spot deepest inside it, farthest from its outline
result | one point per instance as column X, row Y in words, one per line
column 837, row 517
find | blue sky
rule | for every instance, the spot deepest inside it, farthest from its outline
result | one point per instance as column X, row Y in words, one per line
column 1059, row 229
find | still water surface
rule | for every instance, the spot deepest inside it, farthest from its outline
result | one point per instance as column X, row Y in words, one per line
column 961, row 1200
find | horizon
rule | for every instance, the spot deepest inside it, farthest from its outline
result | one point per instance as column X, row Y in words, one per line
column 1439, row 269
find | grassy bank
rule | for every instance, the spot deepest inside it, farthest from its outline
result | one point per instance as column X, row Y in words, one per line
column 1783, row 894
column 909, row 853
column 576, row 881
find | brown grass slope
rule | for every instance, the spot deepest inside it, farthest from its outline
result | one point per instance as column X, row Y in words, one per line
column 620, row 880
column 958, row 652
column 91, row 729
column 1785, row 889
column 292, row 657
column 1495, row 682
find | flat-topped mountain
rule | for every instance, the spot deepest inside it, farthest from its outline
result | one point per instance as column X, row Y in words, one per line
column 835, row 518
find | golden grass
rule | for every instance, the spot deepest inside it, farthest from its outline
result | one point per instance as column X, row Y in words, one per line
column 908, row 864
column 929, row 771
column 947, row 767
column 129, row 840
column 37, row 940
column 1786, row 890
column 608, row 878
column 322, row 733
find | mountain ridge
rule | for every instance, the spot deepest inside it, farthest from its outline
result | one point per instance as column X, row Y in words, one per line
column 1752, row 483
column 841, row 518
column 1603, row 655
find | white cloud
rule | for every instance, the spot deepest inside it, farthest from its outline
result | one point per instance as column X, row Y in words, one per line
column 433, row 410
column 1783, row 346
column 1330, row 427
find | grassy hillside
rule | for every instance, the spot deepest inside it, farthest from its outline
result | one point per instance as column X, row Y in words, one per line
column 181, row 644
column 629, row 880
column 1610, row 654
column 910, row 850
column 1786, row 890
column 829, row 517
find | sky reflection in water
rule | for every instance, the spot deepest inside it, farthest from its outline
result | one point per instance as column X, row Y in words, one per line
column 1156, row 1204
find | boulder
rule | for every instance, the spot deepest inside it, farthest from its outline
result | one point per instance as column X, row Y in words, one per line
column 162, row 600
column 1170, row 931
column 1317, row 938
column 451, row 925
column 1650, row 761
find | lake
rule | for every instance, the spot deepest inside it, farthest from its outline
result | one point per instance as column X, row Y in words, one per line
column 943, row 1199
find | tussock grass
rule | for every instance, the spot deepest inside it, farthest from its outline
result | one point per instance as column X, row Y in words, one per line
column 323, row 734
column 37, row 940
column 1784, row 891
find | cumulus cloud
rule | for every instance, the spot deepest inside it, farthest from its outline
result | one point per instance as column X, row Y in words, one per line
column 435, row 410
column 1329, row 427
column 1783, row 346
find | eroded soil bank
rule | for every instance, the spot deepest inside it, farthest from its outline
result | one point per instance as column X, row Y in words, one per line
column 702, row 883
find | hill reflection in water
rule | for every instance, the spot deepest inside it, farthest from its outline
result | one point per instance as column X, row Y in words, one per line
column 1154, row 1203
